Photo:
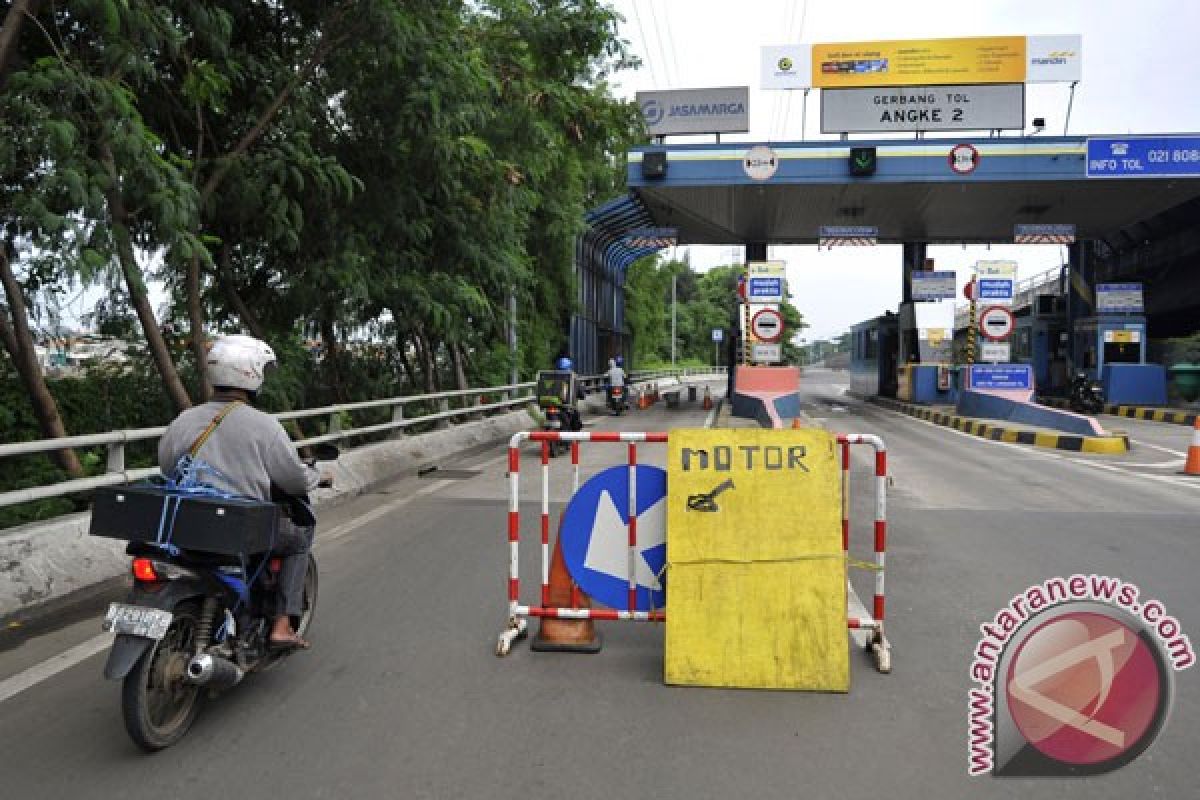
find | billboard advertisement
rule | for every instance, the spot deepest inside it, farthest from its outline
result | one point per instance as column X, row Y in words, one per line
column 787, row 66
column 1054, row 59
column 918, row 62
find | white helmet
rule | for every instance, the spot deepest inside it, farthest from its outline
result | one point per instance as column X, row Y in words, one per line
column 239, row 362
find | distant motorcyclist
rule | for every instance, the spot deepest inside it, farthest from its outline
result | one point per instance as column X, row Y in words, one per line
column 249, row 453
column 615, row 375
column 571, row 415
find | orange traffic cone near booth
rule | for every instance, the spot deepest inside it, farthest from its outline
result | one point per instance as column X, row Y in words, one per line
column 565, row 635
column 708, row 403
column 1192, row 467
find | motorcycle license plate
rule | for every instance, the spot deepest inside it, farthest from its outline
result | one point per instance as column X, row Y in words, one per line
column 150, row 623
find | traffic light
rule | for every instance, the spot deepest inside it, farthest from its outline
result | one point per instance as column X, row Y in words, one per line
column 862, row 160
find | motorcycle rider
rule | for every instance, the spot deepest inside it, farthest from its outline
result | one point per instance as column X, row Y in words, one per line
column 615, row 376
column 571, row 415
column 249, row 452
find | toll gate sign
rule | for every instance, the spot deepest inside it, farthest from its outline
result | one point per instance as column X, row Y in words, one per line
column 1144, row 157
column 1001, row 376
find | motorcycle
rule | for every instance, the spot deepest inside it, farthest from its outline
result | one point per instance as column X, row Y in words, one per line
column 616, row 400
column 195, row 622
column 1086, row 395
column 555, row 418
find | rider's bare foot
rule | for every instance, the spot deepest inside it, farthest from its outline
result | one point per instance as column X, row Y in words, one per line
column 282, row 636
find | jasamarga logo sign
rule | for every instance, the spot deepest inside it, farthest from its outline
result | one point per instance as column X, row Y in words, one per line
column 696, row 110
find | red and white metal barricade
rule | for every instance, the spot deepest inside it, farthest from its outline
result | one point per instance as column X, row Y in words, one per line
column 518, row 614
column 877, row 644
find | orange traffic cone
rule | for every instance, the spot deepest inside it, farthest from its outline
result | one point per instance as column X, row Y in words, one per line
column 565, row 635
column 796, row 423
column 1192, row 467
column 708, row 403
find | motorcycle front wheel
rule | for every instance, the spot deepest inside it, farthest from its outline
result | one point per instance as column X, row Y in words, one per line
column 157, row 702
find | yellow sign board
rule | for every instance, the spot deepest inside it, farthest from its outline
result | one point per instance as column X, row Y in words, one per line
column 984, row 59
column 754, row 560
column 1122, row 337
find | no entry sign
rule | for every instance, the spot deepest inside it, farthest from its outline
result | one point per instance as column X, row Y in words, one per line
column 996, row 323
column 767, row 325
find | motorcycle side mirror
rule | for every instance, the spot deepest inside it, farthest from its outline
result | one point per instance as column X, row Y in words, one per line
column 326, row 452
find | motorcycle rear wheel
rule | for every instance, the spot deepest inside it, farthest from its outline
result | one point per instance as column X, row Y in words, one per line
column 157, row 703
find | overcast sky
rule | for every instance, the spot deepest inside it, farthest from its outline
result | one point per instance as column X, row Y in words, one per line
column 1141, row 74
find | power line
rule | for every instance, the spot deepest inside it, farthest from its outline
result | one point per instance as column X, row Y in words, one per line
column 645, row 44
column 662, row 51
column 670, row 41
column 798, row 38
column 778, row 116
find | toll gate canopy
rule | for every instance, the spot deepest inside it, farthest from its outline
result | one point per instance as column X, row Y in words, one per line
column 918, row 193
column 914, row 195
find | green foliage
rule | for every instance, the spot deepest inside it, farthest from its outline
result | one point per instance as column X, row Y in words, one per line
column 370, row 179
column 704, row 301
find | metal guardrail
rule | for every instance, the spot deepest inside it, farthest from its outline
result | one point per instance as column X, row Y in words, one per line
column 115, row 472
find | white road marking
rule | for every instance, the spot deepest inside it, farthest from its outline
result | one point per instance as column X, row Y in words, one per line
column 1177, row 453
column 1034, row 452
column 11, row 687
column 346, row 528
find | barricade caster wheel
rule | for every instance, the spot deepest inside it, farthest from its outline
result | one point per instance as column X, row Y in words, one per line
column 517, row 629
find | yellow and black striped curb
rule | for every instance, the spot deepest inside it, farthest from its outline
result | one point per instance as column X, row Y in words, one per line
column 1134, row 412
column 1054, row 441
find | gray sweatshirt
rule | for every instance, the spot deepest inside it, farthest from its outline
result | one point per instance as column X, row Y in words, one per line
column 250, row 448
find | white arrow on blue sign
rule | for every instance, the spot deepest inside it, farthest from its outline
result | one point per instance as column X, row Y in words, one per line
column 595, row 537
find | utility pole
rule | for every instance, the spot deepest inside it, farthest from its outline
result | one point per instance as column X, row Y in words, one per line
column 674, row 282
column 512, row 335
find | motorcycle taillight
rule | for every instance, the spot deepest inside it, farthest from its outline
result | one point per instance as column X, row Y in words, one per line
column 143, row 571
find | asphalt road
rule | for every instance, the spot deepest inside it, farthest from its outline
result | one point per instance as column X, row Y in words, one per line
column 402, row 696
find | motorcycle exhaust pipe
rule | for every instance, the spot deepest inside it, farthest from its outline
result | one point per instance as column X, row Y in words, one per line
column 214, row 672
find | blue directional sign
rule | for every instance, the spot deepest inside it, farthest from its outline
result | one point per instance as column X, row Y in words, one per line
column 1119, row 297
column 595, row 537
column 1001, row 376
column 995, row 289
column 766, row 289
column 1144, row 157
column 932, row 285
column 718, row 334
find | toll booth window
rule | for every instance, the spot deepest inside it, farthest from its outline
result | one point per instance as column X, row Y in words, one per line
column 1021, row 345
column 1122, row 352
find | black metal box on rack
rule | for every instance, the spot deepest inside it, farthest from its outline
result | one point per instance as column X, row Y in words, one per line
column 148, row 513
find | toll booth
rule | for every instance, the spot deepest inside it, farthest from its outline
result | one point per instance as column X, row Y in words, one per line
column 926, row 343
column 874, row 347
column 1041, row 340
column 1112, row 349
